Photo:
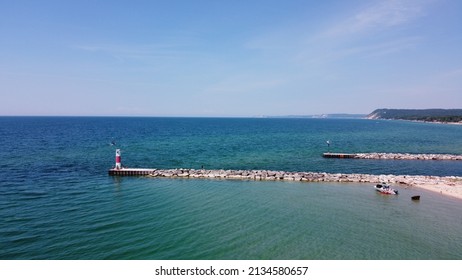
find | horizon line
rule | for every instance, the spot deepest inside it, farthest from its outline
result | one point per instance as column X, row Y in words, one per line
column 190, row 116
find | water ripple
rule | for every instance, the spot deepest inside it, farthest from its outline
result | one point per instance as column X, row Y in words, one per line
column 64, row 206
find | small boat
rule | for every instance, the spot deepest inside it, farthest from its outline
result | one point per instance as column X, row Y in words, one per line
column 416, row 197
column 385, row 189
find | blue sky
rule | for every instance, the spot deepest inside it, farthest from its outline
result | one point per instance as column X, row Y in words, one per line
column 228, row 58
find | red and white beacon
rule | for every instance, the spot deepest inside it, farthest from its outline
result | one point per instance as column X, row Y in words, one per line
column 118, row 160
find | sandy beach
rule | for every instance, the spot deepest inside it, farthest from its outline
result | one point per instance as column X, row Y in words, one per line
column 450, row 186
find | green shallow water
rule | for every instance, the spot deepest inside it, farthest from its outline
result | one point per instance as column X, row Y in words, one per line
column 57, row 201
column 145, row 218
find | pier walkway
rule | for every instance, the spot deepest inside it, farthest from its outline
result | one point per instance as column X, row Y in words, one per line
column 131, row 171
column 338, row 155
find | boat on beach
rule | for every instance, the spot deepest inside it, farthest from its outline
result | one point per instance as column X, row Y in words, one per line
column 385, row 189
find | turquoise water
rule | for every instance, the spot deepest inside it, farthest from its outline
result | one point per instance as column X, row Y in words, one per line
column 57, row 201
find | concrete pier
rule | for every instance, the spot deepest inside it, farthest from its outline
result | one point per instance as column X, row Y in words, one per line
column 131, row 171
column 338, row 155
column 119, row 170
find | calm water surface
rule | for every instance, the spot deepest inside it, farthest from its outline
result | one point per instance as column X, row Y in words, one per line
column 57, row 202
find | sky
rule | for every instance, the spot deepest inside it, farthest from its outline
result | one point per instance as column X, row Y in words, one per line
column 228, row 58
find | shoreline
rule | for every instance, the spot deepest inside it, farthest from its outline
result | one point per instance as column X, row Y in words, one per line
column 438, row 122
column 415, row 121
column 447, row 185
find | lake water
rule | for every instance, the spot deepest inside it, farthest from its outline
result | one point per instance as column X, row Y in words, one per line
column 57, row 201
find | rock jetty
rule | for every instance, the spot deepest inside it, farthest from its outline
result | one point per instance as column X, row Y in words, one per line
column 448, row 185
column 395, row 156
column 267, row 175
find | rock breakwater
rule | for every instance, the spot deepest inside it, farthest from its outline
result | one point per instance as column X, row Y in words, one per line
column 450, row 185
column 395, row 156
column 300, row 176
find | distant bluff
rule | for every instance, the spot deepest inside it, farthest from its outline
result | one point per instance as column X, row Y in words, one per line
column 430, row 115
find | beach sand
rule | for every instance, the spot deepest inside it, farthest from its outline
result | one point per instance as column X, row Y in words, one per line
column 453, row 189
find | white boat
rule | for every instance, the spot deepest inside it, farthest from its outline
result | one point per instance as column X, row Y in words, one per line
column 385, row 189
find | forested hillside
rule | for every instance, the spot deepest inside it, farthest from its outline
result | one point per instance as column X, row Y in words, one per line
column 430, row 115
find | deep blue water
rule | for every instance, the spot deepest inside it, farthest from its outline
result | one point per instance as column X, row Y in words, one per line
column 57, row 201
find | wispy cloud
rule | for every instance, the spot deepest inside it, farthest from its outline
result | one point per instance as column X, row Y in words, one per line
column 349, row 34
column 166, row 47
column 125, row 52
column 384, row 14
column 335, row 52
